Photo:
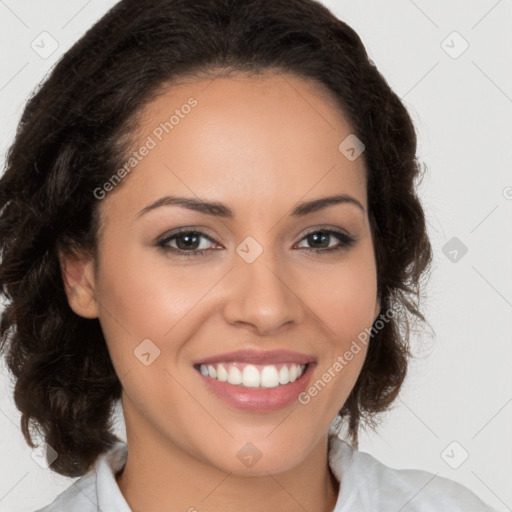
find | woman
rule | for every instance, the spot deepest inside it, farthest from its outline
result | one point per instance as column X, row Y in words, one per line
column 209, row 213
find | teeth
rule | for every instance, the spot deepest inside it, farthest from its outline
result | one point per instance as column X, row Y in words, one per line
column 269, row 377
column 253, row 376
column 212, row 371
column 222, row 374
column 234, row 375
column 284, row 375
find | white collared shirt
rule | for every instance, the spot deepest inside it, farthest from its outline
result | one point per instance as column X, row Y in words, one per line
column 367, row 485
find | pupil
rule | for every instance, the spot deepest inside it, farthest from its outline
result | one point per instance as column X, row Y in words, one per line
column 315, row 237
column 191, row 241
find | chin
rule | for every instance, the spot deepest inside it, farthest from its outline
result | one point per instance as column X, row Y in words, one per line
column 260, row 457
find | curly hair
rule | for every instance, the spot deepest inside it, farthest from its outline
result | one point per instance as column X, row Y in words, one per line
column 76, row 128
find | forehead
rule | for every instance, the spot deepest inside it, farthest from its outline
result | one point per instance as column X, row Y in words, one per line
column 254, row 142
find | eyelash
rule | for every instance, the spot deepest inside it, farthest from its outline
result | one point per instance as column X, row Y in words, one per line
column 346, row 242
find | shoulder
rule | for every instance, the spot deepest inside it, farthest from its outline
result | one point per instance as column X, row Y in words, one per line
column 416, row 489
column 374, row 485
column 80, row 496
column 97, row 489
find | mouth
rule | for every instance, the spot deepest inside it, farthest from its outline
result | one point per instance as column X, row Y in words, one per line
column 256, row 381
column 253, row 375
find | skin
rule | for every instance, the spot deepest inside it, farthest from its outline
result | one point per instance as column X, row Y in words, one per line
column 260, row 145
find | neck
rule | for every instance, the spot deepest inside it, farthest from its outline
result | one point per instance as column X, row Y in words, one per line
column 159, row 476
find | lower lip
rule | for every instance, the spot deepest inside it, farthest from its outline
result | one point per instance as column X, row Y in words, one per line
column 259, row 399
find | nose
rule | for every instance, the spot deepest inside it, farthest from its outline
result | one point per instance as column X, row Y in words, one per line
column 263, row 296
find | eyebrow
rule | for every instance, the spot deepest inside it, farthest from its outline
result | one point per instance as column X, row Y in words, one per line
column 218, row 209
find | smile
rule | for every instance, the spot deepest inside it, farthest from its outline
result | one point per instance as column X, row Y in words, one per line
column 253, row 375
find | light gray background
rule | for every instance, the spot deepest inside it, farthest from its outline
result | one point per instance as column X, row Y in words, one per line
column 460, row 387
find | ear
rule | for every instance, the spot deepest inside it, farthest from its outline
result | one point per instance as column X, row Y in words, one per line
column 77, row 271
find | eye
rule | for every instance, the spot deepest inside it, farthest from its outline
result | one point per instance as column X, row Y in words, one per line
column 321, row 238
column 188, row 242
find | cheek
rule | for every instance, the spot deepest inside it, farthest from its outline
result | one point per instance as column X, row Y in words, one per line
column 144, row 291
column 143, row 295
column 346, row 301
column 346, row 308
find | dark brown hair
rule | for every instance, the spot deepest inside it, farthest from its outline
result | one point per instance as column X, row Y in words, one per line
column 75, row 130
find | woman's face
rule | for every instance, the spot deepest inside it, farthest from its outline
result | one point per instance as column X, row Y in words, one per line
column 261, row 147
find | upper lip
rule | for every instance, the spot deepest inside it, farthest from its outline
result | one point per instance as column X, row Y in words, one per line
column 259, row 357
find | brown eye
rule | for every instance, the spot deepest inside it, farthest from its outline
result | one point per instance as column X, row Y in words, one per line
column 320, row 240
column 187, row 243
